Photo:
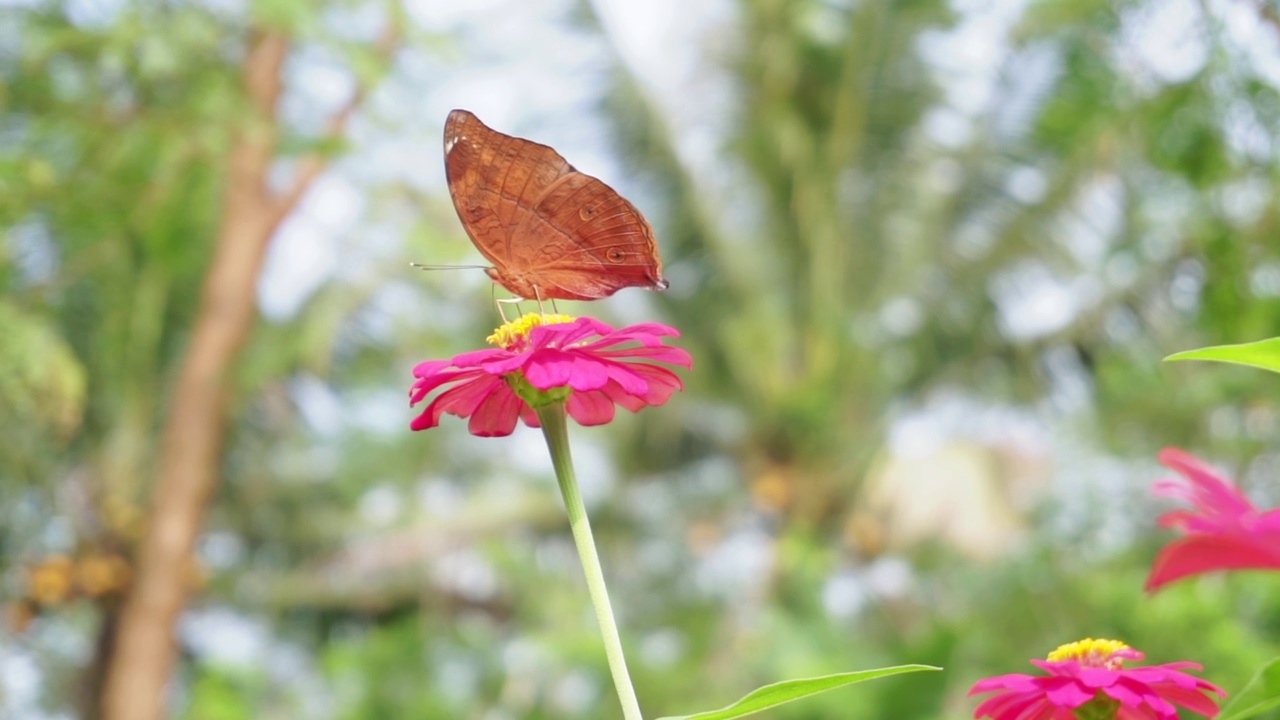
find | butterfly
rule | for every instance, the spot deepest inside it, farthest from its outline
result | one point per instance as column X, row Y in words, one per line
column 550, row 231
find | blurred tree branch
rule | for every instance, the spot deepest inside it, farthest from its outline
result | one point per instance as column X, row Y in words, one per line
column 142, row 660
column 314, row 164
column 1269, row 14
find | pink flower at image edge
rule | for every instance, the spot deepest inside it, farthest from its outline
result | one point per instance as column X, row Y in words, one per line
column 1091, row 671
column 1224, row 530
column 602, row 366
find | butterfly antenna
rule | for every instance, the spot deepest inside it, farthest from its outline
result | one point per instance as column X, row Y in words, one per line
column 421, row 266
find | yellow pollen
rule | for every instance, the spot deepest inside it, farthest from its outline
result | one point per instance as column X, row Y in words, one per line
column 514, row 332
column 1091, row 653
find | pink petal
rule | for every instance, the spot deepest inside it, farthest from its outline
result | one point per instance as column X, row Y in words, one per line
column 589, row 373
column 662, row 383
column 1096, row 678
column 1225, row 530
column 430, row 367
column 431, row 381
column 494, row 362
column 1015, row 706
column 1008, row 705
column 1168, row 673
column 615, row 393
column 476, row 358
column 1202, row 553
column 1065, row 668
column 1193, row 700
column 548, row 368
column 646, row 334
column 1126, row 694
column 590, row 408
column 652, row 384
column 565, row 334
column 496, row 416
column 1209, row 490
column 460, row 400
column 1068, row 694
column 649, row 328
column 1269, row 522
column 629, row 377
column 1014, row 681
column 663, row 353
column 1133, row 654
column 552, row 368
column 1197, row 521
column 1162, row 707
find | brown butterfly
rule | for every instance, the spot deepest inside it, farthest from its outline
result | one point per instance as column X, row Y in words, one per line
column 550, row 231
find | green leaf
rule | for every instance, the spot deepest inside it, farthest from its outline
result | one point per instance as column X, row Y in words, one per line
column 42, row 381
column 1261, row 694
column 779, row 693
column 1263, row 354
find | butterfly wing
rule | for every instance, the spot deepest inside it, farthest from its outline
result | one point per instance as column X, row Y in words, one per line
column 489, row 175
column 549, row 230
column 592, row 241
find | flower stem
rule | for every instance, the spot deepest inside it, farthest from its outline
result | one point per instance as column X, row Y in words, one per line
column 556, row 431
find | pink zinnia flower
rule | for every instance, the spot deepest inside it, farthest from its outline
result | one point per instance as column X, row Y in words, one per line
column 1224, row 531
column 546, row 358
column 1091, row 673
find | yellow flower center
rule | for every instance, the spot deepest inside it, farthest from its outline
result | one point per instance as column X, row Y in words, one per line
column 514, row 333
column 1091, row 653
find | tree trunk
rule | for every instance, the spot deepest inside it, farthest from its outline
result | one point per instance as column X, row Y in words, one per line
column 190, row 461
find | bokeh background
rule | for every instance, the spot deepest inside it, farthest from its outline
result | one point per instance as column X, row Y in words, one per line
column 927, row 254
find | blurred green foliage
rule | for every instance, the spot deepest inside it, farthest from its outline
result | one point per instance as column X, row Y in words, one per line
column 866, row 243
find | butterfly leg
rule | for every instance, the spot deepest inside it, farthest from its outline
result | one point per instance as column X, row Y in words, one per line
column 537, row 297
column 543, row 310
column 507, row 301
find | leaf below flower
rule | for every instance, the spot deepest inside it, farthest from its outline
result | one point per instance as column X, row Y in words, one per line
column 778, row 693
column 1260, row 695
column 1264, row 354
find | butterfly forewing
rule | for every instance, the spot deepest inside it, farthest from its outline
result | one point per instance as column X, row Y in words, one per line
column 549, row 230
column 489, row 175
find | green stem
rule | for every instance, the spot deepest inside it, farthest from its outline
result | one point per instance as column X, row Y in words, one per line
column 556, row 431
